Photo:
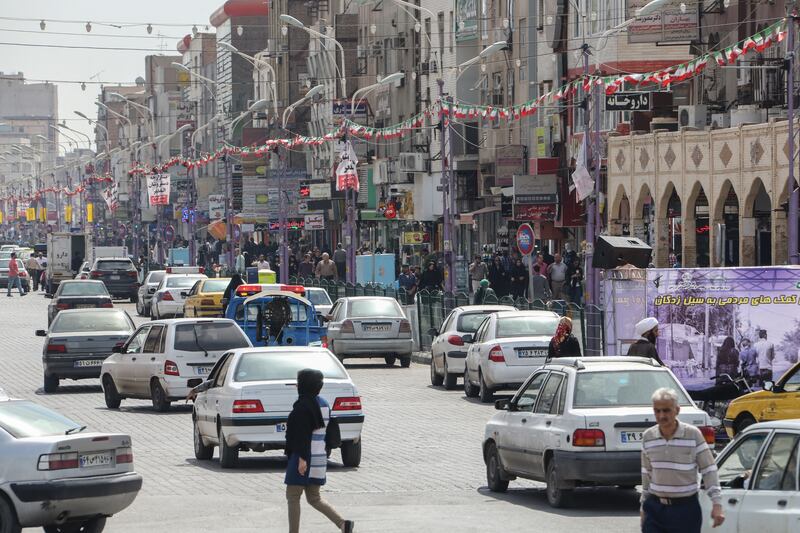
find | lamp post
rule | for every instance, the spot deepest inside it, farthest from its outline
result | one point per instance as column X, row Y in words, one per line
column 256, row 61
column 291, row 21
column 158, row 142
column 193, row 187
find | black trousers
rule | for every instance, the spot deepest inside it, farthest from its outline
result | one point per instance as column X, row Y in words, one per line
column 683, row 517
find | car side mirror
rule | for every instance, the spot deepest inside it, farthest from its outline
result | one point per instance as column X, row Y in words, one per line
column 433, row 332
column 48, row 296
column 41, row 333
column 116, row 349
column 503, row 405
column 769, row 385
column 467, row 338
column 184, row 293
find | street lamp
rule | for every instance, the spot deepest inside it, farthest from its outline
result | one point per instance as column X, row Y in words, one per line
column 255, row 60
column 312, row 92
column 96, row 123
column 256, row 106
column 386, row 80
column 291, row 21
column 118, row 115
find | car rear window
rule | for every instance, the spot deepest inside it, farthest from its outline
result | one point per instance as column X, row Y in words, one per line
column 209, row 336
column 526, row 326
column 181, row 282
column 469, row 322
column 376, row 307
column 91, row 321
column 26, row 419
column 318, row 297
column 155, row 277
column 215, row 285
column 114, row 265
column 623, row 388
column 83, row 289
column 267, row 366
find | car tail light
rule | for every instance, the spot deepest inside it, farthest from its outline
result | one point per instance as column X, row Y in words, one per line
column 324, row 340
column 170, row 368
column 496, row 355
column 248, row 406
column 166, row 296
column 405, row 326
column 62, row 306
column 347, row 327
column 347, row 403
column 95, row 274
column 56, row 348
column 58, row 461
column 247, row 290
column 107, row 304
column 201, row 270
column 206, row 302
column 709, row 434
column 588, row 437
column 124, row 455
column 297, row 289
column 455, row 340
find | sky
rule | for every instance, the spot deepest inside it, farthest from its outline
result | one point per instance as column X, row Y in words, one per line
column 52, row 60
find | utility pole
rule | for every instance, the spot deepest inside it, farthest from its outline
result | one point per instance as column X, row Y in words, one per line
column 794, row 194
column 445, row 145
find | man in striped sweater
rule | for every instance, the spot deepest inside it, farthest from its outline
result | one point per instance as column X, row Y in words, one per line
column 673, row 454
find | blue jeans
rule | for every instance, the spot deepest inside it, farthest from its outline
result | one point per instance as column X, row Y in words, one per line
column 14, row 281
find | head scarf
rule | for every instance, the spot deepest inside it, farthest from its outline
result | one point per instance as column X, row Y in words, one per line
column 646, row 325
column 563, row 331
column 309, row 385
column 484, row 282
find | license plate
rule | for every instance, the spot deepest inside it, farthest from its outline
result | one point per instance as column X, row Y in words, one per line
column 530, row 352
column 94, row 460
column 84, row 306
column 374, row 328
column 280, row 428
column 115, row 278
column 202, row 370
column 630, row 436
column 88, row 362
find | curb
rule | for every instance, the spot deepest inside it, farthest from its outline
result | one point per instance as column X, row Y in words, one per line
column 423, row 358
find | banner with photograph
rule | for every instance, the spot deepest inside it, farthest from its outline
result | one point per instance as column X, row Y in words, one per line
column 158, row 189
column 111, row 196
column 624, row 296
column 726, row 320
column 466, row 20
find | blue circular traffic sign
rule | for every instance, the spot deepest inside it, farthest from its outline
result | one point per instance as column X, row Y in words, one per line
column 525, row 239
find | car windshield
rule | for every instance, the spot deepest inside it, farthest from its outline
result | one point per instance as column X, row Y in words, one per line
column 156, row 277
column 267, row 366
column 215, row 285
column 181, row 282
column 623, row 388
column 83, row 289
column 469, row 322
column 4, row 263
column 209, row 336
column 318, row 297
column 374, row 307
column 115, row 265
column 90, row 320
column 526, row 326
column 26, row 419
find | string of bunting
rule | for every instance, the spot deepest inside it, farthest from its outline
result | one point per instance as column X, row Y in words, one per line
column 81, row 187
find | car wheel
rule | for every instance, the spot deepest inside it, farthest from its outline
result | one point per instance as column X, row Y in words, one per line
column 202, row 452
column 469, row 389
column 436, row 379
column 556, row 497
column 228, row 456
column 134, row 298
column 94, row 525
column 450, row 380
column 494, row 471
column 405, row 361
column 8, row 517
column 742, row 421
column 159, row 397
column 50, row 383
column 351, row 453
column 486, row 394
column 112, row 397
column 390, row 359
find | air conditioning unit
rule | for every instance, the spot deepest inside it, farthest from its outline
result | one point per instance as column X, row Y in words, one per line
column 694, row 116
column 412, row 162
column 747, row 114
column 377, row 49
column 420, row 139
column 720, row 120
column 380, row 172
column 424, row 67
column 399, row 43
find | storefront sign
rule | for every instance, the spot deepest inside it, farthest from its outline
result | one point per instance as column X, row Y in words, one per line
column 668, row 24
column 628, row 102
column 313, row 222
column 534, row 212
column 158, row 189
column 509, row 162
column 412, row 237
column 319, row 190
column 540, row 189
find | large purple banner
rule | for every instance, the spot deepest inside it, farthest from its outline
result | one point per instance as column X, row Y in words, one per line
column 725, row 320
column 624, row 294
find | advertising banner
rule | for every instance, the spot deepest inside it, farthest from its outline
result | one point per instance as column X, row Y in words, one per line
column 466, row 20
column 669, row 24
column 314, row 222
column 111, row 196
column 158, row 189
column 216, row 206
column 624, row 294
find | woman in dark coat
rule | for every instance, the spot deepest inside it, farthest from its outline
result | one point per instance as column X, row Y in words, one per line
column 727, row 360
column 230, row 291
column 564, row 343
column 499, row 278
column 519, row 279
column 305, row 448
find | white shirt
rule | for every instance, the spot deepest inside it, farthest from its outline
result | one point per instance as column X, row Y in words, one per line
column 766, row 353
column 263, row 264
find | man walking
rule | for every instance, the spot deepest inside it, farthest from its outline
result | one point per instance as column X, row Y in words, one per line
column 340, row 258
column 766, row 354
column 326, row 269
column 13, row 276
column 541, row 289
column 239, row 263
column 558, row 275
column 477, row 272
column 32, row 266
column 673, row 455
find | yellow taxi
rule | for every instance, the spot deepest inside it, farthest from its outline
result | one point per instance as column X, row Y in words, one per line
column 778, row 401
column 205, row 298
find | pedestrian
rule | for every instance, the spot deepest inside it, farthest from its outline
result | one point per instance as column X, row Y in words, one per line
column 305, row 448
column 766, row 354
column 408, row 283
column 306, row 267
column 230, row 291
column 557, row 271
column 727, row 360
column 484, row 292
column 748, row 359
column 239, row 262
column 499, row 277
column 13, row 276
column 519, row 279
column 477, row 272
column 564, row 343
column 575, row 282
column 431, row 279
column 674, row 454
column 340, row 258
column 645, row 346
column 262, row 263
column 541, row 287
column 32, row 266
column 77, row 261
column 326, row 269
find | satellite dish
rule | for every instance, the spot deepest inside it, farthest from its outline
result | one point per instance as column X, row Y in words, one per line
column 140, row 81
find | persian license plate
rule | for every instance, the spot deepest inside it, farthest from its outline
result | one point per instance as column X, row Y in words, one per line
column 115, row 278
column 202, row 370
column 84, row 306
column 630, row 436
column 93, row 460
column 376, row 328
column 280, row 428
column 88, row 362
column 531, row 352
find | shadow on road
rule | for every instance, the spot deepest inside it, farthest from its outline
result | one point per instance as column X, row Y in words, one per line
column 606, row 501
column 175, row 409
column 260, row 464
column 71, row 389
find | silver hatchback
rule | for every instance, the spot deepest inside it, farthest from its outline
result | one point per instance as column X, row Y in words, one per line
column 146, row 291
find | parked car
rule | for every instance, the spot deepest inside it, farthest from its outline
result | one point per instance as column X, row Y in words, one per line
column 79, row 340
column 57, row 476
column 205, row 298
column 146, row 291
column 448, row 349
column 579, row 422
column 84, row 271
column 78, row 294
column 369, row 326
column 778, row 401
column 320, row 298
column 506, row 348
column 168, row 299
column 245, row 403
column 119, row 274
column 24, row 278
column 162, row 361
column 758, row 475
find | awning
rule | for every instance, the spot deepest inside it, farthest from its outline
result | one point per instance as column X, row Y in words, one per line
column 469, row 218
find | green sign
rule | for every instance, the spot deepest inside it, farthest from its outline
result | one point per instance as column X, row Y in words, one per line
column 466, row 20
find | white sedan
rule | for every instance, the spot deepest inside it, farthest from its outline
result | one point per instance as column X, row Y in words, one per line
column 448, row 349
column 171, row 293
column 245, row 403
column 507, row 347
column 758, row 473
column 52, row 474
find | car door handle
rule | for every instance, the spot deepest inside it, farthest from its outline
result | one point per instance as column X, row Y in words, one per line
column 524, row 420
column 733, row 501
column 152, row 358
column 548, row 422
column 781, row 503
column 133, row 359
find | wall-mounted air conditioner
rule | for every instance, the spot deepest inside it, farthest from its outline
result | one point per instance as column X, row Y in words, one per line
column 412, row 162
column 747, row 114
column 420, row 139
column 693, row 116
column 720, row 120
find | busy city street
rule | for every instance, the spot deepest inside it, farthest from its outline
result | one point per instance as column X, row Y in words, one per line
column 421, row 468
